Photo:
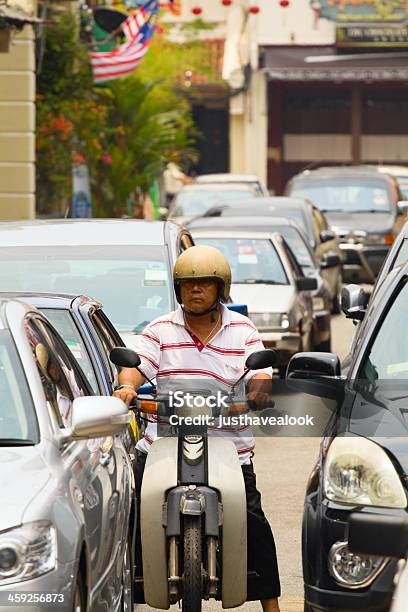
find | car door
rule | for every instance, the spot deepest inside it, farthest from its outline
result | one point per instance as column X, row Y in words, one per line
column 88, row 477
column 304, row 297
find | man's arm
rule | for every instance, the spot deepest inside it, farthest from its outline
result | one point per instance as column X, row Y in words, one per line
column 131, row 379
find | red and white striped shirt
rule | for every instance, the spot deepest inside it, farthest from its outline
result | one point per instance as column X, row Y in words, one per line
column 171, row 354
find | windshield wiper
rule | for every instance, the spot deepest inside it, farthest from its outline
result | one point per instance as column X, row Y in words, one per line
column 16, row 442
column 371, row 210
column 256, row 281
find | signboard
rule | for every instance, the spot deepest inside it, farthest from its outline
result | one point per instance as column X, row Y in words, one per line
column 362, row 11
column 81, row 192
column 371, row 36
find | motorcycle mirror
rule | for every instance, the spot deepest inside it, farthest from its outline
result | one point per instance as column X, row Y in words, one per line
column 261, row 359
column 124, row 357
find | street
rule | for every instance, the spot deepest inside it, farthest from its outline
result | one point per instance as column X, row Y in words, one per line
column 283, row 465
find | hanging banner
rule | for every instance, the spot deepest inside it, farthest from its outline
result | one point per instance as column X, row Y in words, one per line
column 363, row 11
column 81, row 192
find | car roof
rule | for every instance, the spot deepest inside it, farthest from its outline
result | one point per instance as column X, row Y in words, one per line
column 216, row 187
column 400, row 171
column 50, row 300
column 227, row 178
column 266, row 202
column 62, row 232
column 208, row 223
column 339, row 172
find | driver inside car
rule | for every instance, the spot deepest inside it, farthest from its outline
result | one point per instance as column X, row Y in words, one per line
column 203, row 338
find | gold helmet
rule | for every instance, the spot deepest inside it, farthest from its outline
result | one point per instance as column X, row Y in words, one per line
column 204, row 262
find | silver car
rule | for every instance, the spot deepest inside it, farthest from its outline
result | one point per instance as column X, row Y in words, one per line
column 66, row 480
column 266, row 277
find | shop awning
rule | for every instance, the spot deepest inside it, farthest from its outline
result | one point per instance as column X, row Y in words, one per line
column 327, row 64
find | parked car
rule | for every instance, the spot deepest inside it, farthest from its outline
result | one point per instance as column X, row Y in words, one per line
column 124, row 263
column 363, row 461
column 298, row 244
column 361, row 206
column 195, row 199
column 234, row 179
column 266, row 276
column 66, row 477
column 313, row 223
column 401, row 175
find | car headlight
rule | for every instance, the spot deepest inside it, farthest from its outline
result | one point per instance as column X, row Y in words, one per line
column 353, row 570
column 318, row 303
column 266, row 319
column 27, row 552
column 359, row 472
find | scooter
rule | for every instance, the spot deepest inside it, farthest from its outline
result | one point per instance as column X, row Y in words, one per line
column 193, row 505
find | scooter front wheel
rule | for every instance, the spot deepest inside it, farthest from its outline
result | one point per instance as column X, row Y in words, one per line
column 192, row 576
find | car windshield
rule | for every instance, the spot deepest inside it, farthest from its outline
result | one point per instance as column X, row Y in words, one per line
column 191, row 202
column 296, row 214
column 344, row 195
column 18, row 423
column 132, row 282
column 252, row 260
column 64, row 324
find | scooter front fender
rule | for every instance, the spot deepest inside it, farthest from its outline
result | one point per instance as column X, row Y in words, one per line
column 159, row 476
column 225, row 475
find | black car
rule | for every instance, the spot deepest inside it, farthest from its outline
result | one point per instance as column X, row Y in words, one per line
column 302, row 252
column 308, row 218
column 363, row 460
column 361, row 206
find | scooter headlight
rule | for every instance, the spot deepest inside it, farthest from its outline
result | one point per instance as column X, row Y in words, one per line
column 359, row 472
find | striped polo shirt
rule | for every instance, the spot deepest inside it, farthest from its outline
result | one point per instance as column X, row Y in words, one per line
column 170, row 353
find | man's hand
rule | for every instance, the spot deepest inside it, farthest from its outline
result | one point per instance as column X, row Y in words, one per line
column 127, row 394
column 260, row 387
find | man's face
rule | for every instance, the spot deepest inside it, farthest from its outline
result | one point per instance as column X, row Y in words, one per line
column 198, row 295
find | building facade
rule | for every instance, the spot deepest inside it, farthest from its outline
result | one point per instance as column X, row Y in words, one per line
column 17, row 115
column 328, row 82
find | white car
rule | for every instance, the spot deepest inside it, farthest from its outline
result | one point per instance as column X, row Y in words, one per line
column 229, row 179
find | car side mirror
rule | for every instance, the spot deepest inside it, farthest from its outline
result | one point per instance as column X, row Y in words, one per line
column 331, row 260
column 354, row 302
column 124, row 357
column 97, row 417
column 306, row 283
column 326, row 235
column 402, row 207
column 316, row 374
column 374, row 534
column 261, row 359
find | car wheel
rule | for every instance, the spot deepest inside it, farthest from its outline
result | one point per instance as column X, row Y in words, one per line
column 126, row 603
column 80, row 594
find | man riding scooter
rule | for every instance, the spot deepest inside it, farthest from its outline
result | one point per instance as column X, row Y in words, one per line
column 203, row 337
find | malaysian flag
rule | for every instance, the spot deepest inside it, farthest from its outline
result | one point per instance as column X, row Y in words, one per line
column 122, row 61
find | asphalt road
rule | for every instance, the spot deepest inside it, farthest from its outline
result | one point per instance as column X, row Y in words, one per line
column 283, row 465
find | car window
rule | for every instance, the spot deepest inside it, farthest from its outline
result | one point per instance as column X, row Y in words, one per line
column 402, row 255
column 17, row 414
column 345, row 194
column 108, row 337
column 392, row 363
column 64, row 323
column 252, row 260
column 191, row 202
column 297, row 246
column 297, row 272
column 140, row 275
column 59, row 376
